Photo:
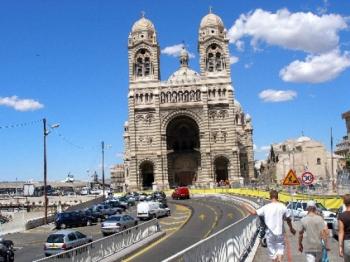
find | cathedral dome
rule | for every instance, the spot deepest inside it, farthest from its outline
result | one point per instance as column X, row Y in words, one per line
column 212, row 20
column 184, row 75
column 143, row 24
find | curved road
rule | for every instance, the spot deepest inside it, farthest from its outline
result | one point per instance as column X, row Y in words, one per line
column 209, row 215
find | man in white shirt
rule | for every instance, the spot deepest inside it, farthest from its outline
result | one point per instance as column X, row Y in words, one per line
column 274, row 214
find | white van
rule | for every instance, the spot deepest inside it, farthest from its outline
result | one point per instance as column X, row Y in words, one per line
column 151, row 209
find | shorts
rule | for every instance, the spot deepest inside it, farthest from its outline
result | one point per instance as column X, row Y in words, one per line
column 275, row 244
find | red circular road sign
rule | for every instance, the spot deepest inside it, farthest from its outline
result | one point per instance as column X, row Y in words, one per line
column 307, row 178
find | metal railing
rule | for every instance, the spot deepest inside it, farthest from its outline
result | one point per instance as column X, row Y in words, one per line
column 107, row 246
column 231, row 244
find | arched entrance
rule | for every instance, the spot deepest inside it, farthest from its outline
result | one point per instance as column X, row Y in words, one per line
column 147, row 174
column 221, row 168
column 182, row 136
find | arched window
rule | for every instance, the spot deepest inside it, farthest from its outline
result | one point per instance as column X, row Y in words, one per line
column 142, row 63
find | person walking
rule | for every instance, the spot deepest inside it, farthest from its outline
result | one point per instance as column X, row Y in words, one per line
column 344, row 230
column 316, row 231
column 274, row 214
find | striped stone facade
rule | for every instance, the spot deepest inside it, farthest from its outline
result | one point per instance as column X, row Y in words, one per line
column 188, row 130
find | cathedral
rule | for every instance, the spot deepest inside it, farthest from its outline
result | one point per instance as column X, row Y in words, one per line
column 188, row 129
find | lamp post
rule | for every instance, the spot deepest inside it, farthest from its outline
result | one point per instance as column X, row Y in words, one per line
column 103, row 168
column 46, row 132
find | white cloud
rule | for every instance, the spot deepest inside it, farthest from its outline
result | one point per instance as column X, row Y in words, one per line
column 233, row 59
column 316, row 68
column 298, row 31
column 248, row 65
column 261, row 149
column 20, row 104
column 175, row 50
column 271, row 95
column 240, row 45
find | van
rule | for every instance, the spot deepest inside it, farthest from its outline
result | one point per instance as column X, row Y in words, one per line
column 181, row 193
column 151, row 209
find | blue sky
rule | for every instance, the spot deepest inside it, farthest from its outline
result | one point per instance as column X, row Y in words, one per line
column 67, row 61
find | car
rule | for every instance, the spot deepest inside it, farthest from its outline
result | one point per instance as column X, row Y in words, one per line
column 298, row 210
column 71, row 219
column 181, row 193
column 151, row 209
column 130, row 201
column 7, row 253
column 117, row 205
column 117, row 223
column 91, row 215
column 63, row 240
column 107, row 210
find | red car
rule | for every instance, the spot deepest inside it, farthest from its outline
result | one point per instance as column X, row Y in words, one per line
column 181, row 193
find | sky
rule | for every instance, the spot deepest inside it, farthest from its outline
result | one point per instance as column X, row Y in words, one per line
column 66, row 61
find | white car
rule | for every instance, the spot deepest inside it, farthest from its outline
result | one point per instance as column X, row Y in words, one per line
column 117, row 223
column 298, row 209
column 152, row 209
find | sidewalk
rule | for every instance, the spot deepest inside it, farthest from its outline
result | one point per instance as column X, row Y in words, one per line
column 292, row 253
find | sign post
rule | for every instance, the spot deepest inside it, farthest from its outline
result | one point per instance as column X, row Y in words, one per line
column 291, row 180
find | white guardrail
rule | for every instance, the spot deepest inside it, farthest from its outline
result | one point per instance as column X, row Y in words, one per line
column 107, row 246
column 230, row 244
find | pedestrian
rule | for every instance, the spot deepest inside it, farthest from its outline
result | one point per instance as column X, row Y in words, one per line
column 344, row 230
column 274, row 214
column 316, row 234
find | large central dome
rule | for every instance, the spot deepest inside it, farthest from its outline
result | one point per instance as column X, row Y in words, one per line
column 184, row 75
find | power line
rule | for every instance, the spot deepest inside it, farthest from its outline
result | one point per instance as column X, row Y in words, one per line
column 21, row 124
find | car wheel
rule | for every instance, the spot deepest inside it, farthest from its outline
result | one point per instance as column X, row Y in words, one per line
column 135, row 223
column 124, row 228
column 104, row 234
column 168, row 213
column 89, row 223
column 63, row 226
column 154, row 216
column 119, row 211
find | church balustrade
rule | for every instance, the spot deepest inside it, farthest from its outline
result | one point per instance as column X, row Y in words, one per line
column 180, row 96
column 217, row 93
column 144, row 98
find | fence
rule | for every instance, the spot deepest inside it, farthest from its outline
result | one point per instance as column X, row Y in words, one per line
column 230, row 244
column 108, row 246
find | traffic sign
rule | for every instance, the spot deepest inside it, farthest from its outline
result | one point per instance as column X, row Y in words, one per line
column 291, row 179
column 307, row 178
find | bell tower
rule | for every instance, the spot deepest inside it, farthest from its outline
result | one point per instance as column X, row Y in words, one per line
column 143, row 52
column 213, row 47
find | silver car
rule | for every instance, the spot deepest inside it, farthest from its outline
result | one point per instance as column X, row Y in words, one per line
column 117, row 223
column 63, row 240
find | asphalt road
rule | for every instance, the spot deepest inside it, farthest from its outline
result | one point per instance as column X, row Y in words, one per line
column 30, row 244
column 209, row 215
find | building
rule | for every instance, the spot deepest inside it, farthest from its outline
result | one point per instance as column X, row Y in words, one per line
column 117, row 177
column 301, row 154
column 343, row 148
column 188, row 129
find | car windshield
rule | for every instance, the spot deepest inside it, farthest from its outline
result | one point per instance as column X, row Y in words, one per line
column 55, row 238
column 320, row 206
column 113, row 219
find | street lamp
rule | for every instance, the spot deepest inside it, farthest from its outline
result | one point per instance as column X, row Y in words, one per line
column 103, row 165
column 46, row 132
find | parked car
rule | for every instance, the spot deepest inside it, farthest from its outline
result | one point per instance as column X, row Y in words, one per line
column 107, row 210
column 93, row 216
column 63, row 240
column 117, row 223
column 117, row 204
column 298, row 210
column 71, row 219
column 181, row 193
column 151, row 209
column 97, row 213
column 130, row 201
column 7, row 253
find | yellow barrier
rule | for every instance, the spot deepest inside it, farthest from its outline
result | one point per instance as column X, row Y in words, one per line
column 330, row 202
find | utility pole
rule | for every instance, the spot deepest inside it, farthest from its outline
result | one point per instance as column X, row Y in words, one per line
column 45, row 172
column 332, row 163
column 103, row 168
